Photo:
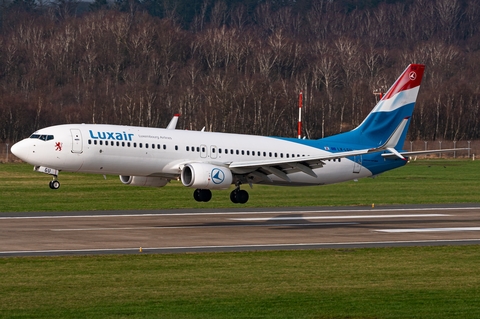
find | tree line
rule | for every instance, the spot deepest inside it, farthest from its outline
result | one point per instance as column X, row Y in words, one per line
column 234, row 66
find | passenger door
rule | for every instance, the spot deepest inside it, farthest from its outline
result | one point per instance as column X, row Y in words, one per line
column 77, row 143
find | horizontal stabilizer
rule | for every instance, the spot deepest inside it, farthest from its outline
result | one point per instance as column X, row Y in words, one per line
column 394, row 151
column 408, row 154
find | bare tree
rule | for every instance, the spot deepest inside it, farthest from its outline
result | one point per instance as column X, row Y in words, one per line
column 449, row 16
column 219, row 14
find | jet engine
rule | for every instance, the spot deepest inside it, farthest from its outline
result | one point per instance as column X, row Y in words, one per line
column 143, row 181
column 206, row 176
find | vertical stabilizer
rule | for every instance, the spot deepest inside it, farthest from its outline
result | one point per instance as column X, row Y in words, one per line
column 394, row 107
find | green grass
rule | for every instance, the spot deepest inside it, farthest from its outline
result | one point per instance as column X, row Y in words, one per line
column 427, row 181
column 422, row 282
column 416, row 282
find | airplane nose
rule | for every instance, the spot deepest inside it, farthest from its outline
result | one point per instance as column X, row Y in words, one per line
column 21, row 150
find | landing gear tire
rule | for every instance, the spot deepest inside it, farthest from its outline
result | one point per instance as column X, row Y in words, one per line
column 54, row 184
column 202, row 195
column 239, row 196
column 233, row 196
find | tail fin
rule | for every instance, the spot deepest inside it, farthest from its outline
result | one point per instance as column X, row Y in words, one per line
column 394, row 107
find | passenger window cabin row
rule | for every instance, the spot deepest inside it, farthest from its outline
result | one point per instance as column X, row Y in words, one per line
column 127, row 144
column 197, row 149
column 242, row 152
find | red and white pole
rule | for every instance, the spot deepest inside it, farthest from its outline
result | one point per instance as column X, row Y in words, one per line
column 300, row 101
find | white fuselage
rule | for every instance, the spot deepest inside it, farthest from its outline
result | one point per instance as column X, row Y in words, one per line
column 140, row 151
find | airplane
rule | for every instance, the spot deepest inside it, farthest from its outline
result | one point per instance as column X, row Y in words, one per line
column 207, row 161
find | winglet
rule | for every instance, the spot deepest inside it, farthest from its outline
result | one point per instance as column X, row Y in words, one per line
column 173, row 122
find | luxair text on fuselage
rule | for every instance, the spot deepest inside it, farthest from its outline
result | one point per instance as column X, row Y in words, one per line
column 116, row 136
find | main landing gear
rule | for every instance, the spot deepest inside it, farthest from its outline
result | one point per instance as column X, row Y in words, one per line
column 237, row 196
column 202, row 195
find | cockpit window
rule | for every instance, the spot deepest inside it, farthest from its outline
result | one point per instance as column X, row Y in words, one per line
column 42, row 137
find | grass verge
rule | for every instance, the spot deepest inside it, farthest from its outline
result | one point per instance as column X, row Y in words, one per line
column 420, row 282
column 427, row 181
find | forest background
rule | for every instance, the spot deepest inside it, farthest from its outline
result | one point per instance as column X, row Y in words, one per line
column 236, row 65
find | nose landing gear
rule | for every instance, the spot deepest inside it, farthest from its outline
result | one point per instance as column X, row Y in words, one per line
column 54, row 184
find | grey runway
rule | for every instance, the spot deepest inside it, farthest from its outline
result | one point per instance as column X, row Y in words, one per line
column 201, row 230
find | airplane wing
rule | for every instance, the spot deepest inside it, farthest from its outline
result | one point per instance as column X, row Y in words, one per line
column 282, row 167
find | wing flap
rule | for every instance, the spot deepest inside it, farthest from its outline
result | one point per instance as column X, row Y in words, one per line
column 304, row 168
column 277, row 172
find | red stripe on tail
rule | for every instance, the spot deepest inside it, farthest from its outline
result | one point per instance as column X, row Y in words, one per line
column 410, row 78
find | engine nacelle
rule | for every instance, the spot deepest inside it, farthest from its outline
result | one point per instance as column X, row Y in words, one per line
column 206, row 176
column 143, row 181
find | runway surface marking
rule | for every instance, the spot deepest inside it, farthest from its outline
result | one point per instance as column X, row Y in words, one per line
column 240, row 213
column 196, row 226
column 339, row 217
column 229, row 230
column 426, row 230
column 253, row 246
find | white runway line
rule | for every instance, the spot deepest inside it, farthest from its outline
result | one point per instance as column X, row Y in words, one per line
column 246, row 246
column 338, row 217
column 428, row 230
column 245, row 213
column 207, row 226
